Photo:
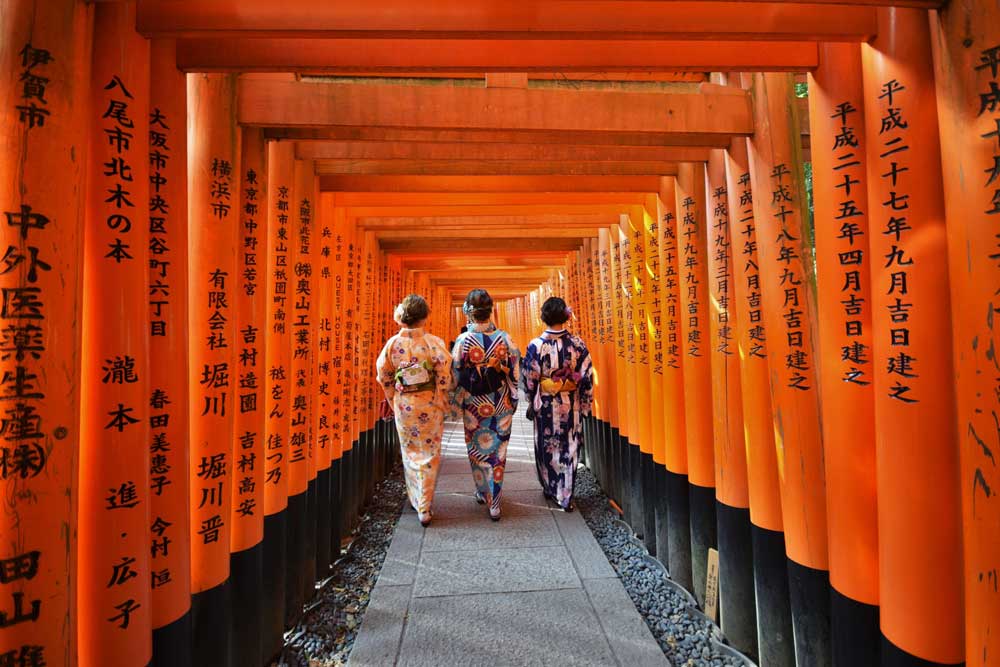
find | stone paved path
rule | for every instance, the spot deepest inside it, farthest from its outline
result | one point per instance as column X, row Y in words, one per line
column 532, row 589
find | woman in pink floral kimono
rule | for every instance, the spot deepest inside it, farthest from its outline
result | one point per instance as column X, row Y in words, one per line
column 486, row 366
column 414, row 369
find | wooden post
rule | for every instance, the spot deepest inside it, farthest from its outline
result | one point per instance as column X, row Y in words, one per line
column 169, row 451
column 736, row 593
column 322, row 425
column 788, row 298
column 966, row 42
column 692, row 241
column 678, row 523
column 919, row 506
column 774, row 616
column 114, row 609
column 45, row 77
column 277, row 390
column 213, row 214
column 843, row 262
column 247, row 560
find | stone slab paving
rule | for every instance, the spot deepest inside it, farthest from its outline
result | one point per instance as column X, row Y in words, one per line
column 532, row 589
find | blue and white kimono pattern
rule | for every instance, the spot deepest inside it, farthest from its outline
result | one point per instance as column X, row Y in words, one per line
column 487, row 417
column 558, row 417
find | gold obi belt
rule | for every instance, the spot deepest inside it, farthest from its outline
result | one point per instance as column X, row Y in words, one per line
column 551, row 387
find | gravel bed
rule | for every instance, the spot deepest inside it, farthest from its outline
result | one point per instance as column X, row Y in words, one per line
column 325, row 635
column 686, row 636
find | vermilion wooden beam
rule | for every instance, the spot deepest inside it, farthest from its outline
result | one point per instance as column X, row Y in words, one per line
column 408, row 245
column 417, row 167
column 482, row 211
column 554, row 19
column 541, row 221
column 400, row 150
column 294, row 54
column 269, row 102
column 472, row 198
column 502, row 136
column 489, row 234
column 487, row 184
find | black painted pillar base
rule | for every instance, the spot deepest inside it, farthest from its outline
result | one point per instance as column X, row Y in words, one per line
column 172, row 643
column 679, row 529
column 621, row 464
column 324, row 516
column 636, row 518
column 809, row 591
column 737, row 603
column 775, row 641
column 608, row 439
column 336, row 503
column 854, row 631
column 295, row 562
column 649, row 502
column 615, row 472
column 662, row 516
column 210, row 614
column 273, row 598
column 704, row 536
column 893, row 656
column 246, row 576
column 309, row 543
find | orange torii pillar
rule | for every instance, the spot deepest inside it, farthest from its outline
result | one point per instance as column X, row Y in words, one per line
column 692, row 240
column 770, row 572
column 246, row 565
column 604, row 388
column 334, row 217
column 44, row 76
column 789, row 304
column 674, row 528
column 732, row 500
column 627, row 418
column 919, row 497
column 610, row 345
column 655, row 487
column 277, row 390
column 589, row 304
column 843, row 262
column 634, row 263
column 322, row 423
column 213, row 218
column 169, row 452
column 301, row 563
column 968, row 89
column 365, row 328
column 114, row 609
column 351, row 378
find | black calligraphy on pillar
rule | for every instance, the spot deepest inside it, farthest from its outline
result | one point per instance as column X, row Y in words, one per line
column 336, row 403
column 33, row 109
column 160, row 251
column 299, row 442
column 691, row 265
column 671, row 285
column 638, row 267
column 655, row 295
column 900, row 366
column 854, row 352
column 119, row 130
column 751, row 271
column 324, row 346
column 723, row 269
column 798, row 359
column 619, row 304
column 278, row 375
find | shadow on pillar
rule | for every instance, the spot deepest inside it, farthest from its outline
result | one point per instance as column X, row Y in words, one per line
column 296, row 577
column 648, row 472
column 324, row 517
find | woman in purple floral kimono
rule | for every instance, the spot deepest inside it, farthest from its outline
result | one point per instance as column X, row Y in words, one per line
column 485, row 363
column 560, row 391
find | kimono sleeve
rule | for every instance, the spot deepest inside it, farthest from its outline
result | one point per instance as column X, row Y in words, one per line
column 585, row 387
column 445, row 376
column 514, row 359
column 385, row 372
column 531, row 371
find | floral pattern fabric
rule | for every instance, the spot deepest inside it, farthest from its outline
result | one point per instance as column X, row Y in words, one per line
column 419, row 414
column 558, row 360
column 486, row 356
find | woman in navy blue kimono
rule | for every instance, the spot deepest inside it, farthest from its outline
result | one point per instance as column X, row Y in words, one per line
column 485, row 361
column 560, row 392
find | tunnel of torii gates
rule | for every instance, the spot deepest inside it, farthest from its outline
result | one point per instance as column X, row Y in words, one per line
column 210, row 209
